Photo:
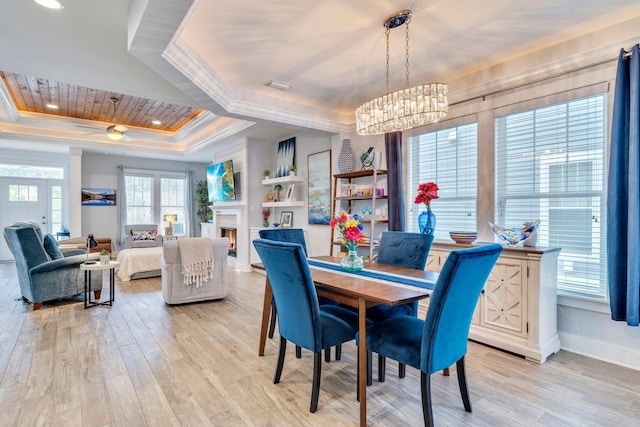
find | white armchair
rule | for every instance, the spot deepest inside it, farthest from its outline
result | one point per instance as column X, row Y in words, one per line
column 174, row 289
column 142, row 236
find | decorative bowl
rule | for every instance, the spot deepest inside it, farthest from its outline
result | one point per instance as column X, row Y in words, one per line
column 515, row 235
column 463, row 236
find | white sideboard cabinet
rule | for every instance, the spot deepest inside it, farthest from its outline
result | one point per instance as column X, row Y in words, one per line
column 517, row 309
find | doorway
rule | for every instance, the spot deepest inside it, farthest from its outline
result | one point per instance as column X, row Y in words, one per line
column 22, row 199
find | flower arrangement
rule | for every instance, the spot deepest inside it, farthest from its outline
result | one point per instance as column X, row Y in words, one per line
column 349, row 228
column 426, row 193
column 266, row 213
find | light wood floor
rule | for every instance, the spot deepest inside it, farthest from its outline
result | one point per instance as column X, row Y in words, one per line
column 143, row 363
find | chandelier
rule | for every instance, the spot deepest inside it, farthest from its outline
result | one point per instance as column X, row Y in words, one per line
column 406, row 108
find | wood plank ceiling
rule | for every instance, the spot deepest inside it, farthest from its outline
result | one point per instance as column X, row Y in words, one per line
column 32, row 94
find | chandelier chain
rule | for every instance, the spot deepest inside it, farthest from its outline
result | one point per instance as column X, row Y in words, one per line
column 386, row 32
column 407, row 51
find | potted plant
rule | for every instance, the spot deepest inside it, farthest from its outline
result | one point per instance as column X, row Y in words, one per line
column 266, row 173
column 202, row 202
column 105, row 257
column 292, row 170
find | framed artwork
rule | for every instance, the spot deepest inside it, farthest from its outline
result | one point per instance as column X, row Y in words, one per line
column 286, row 219
column 98, row 197
column 290, row 192
column 319, row 169
column 271, row 196
column 286, row 155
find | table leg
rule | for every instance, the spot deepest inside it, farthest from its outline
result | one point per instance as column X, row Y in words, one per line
column 362, row 357
column 266, row 312
column 112, row 282
column 87, row 287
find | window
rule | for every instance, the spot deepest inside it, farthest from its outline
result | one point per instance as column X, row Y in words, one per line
column 152, row 194
column 56, row 207
column 550, row 165
column 23, row 193
column 139, row 199
column 447, row 157
column 173, row 202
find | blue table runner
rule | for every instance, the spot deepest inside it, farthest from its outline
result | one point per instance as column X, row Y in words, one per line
column 420, row 283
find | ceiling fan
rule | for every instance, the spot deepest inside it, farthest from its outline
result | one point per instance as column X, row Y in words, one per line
column 117, row 132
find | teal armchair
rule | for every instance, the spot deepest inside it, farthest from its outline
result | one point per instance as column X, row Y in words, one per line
column 42, row 278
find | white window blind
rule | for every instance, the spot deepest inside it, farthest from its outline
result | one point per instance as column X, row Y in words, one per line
column 550, row 165
column 172, row 201
column 447, row 157
column 139, row 198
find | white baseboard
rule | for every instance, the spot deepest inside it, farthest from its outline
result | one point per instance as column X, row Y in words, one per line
column 600, row 350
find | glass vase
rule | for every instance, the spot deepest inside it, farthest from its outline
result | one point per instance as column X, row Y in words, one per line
column 427, row 222
column 265, row 223
column 352, row 262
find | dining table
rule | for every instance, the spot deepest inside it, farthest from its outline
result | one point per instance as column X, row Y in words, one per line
column 375, row 284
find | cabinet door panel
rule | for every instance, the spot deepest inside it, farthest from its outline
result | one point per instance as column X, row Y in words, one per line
column 503, row 300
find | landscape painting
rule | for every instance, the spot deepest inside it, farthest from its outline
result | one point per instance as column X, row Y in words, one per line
column 98, row 197
column 319, row 168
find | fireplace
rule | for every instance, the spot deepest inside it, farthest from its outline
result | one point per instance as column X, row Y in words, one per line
column 230, row 233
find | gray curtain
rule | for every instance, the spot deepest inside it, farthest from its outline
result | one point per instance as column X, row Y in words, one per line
column 393, row 151
column 121, row 202
column 623, row 193
column 191, row 217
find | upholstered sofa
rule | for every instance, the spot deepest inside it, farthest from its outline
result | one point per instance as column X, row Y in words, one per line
column 142, row 236
column 174, row 288
column 42, row 278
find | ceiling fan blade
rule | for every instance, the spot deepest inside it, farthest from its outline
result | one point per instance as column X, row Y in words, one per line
column 120, row 128
column 126, row 137
column 90, row 127
column 140, row 134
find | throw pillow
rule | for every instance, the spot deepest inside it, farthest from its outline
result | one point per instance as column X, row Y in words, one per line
column 144, row 234
column 51, row 247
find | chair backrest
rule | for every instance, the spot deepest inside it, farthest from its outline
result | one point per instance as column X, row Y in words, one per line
column 139, row 227
column 404, row 249
column 25, row 245
column 451, row 306
column 294, row 292
column 291, row 235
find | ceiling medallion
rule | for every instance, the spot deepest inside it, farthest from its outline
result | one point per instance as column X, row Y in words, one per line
column 406, row 108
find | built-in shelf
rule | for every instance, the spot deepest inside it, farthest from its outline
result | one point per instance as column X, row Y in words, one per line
column 283, row 180
column 285, row 204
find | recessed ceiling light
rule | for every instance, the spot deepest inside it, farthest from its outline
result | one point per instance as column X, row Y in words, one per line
column 156, row 122
column 278, row 85
column 52, row 106
column 51, row 4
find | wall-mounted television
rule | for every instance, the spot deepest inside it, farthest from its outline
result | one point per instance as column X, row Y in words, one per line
column 220, row 182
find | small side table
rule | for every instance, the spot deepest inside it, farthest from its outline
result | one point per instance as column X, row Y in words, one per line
column 60, row 234
column 88, row 268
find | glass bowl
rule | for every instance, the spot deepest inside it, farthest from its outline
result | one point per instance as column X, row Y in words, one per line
column 515, row 235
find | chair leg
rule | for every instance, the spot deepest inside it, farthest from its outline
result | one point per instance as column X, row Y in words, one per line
column 280, row 364
column 402, row 370
column 37, row 306
column 327, row 354
column 445, row 372
column 425, row 386
column 298, row 352
column 462, row 382
column 317, row 371
column 339, row 352
column 382, row 366
column 272, row 321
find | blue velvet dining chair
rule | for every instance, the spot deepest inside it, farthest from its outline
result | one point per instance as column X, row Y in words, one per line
column 401, row 249
column 301, row 320
column 293, row 235
column 440, row 340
